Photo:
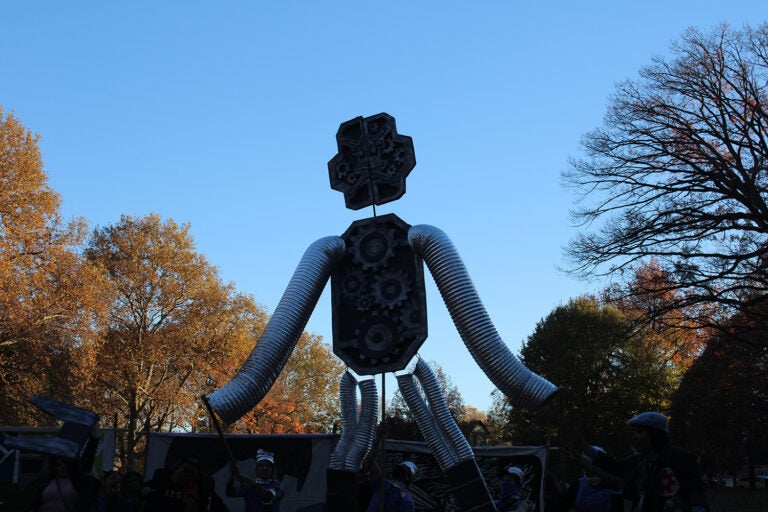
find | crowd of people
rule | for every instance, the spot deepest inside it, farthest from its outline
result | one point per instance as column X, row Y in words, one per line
column 658, row 477
column 66, row 485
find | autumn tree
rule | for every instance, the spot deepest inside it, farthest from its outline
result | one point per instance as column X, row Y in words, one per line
column 171, row 319
column 678, row 173
column 605, row 375
column 671, row 333
column 48, row 298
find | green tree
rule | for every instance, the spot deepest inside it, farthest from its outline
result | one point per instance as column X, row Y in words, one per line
column 678, row 173
column 171, row 320
column 48, row 297
column 604, row 373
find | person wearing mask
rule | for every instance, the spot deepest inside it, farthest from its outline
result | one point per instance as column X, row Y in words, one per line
column 265, row 492
column 511, row 491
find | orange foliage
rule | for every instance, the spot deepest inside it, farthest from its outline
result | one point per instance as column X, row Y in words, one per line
column 49, row 299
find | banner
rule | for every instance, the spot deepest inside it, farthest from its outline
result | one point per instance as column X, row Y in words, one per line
column 301, row 462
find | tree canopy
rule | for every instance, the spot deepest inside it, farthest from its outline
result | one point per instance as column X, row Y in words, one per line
column 604, row 372
column 48, row 298
column 678, row 172
column 671, row 333
column 131, row 322
column 721, row 407
column 170, row 318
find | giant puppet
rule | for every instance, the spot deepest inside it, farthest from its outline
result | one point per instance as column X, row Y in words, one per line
column 380, row 317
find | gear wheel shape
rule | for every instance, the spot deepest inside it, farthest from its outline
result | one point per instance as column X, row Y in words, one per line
column 408, row 317
column 363, row 303
column 391, row 289
column 374, row 248
column 378, row 338
column 353, row 285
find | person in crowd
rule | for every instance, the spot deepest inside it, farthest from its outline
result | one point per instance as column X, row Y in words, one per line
column 109, row 497
column 183, row 489
column 662, row 477
column 265, row 492
column 512, row 496
column 132, row 485
column 395, row 490
column 65, row 484
column 596, row 491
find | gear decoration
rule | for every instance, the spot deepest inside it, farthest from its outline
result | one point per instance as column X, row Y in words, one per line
column 408, row 317
column 378, row 298
column 372, row 163
column 374, row 249
column 391, row 290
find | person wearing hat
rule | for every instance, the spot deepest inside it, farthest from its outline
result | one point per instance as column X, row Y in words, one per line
column 264, row 493
column 397, row 497
column 512, row 497
column 597, row 490
column 662, row 477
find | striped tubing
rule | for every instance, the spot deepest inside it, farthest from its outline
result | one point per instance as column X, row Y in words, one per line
column 441, row 412
column 366, row 426
column 348, row 404
column 440, row 445
column 267, row 359
column 358, row 430
column 521, row 386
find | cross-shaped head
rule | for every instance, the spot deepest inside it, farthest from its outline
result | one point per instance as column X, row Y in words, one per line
column 372, row 163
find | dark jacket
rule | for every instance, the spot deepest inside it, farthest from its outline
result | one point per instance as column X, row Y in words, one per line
column 669, row 481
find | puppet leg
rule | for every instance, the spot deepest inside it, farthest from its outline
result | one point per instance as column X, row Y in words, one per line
column 521, row 386
column 449, row 446
column 265, row 363
column 358, row 431
column 358, row 428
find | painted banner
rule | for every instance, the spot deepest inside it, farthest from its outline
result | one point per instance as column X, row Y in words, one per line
column 302, row 460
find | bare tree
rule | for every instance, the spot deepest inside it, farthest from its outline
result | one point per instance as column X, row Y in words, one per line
column 678, row 173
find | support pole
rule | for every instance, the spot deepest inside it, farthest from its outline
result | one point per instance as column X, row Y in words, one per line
column 218, row 429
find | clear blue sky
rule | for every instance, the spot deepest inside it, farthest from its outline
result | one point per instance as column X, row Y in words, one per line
column 224, row 115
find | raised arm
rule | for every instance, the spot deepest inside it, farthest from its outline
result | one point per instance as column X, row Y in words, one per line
column 268, row 358
column 523, row 387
